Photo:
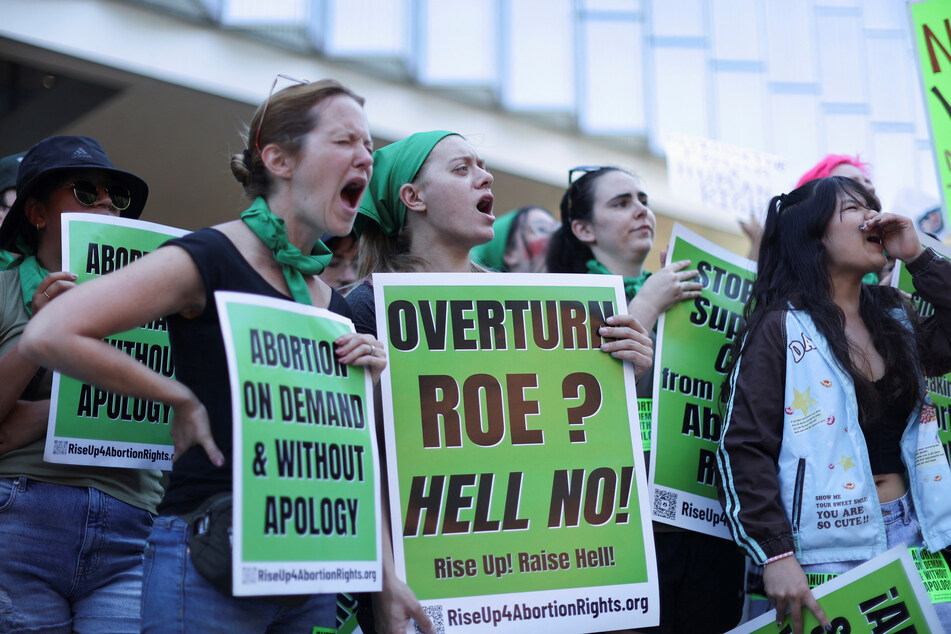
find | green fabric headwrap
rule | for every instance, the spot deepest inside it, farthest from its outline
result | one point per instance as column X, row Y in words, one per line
column 270, row 229
column 31, row 274
column 394, row 165
column 491, row 255
column 631, row 284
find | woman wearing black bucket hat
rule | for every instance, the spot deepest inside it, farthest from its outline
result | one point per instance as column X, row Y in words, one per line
column 71, row 537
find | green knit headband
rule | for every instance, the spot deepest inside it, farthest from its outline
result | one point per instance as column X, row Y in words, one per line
column 394, row 165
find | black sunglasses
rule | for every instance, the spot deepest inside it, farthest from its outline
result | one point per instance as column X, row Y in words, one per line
column 87, row 193
column 581, row 170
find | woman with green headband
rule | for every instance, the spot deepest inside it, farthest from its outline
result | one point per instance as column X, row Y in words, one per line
column 306, row 166
column 428, row 204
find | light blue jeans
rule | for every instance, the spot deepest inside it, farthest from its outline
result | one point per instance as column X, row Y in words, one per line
column 177, row 599
column 901, row 527
column 70, row 559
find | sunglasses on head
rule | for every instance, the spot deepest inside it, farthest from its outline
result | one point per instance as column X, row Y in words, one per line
column 87, row 193
column 293, row 80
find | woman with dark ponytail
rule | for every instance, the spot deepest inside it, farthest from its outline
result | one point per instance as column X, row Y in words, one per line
column 606, row 227
column 826, row 397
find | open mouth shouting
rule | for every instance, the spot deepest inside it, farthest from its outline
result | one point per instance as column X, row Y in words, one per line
column 352, row 192
column 485, row 204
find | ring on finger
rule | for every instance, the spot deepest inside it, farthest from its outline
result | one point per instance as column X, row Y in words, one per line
column 47, row 295
column 372, row 350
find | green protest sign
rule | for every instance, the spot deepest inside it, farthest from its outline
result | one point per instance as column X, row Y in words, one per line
column 306, row 487
column 517, row 484
column 690, row 361
column 885, row 594
column 930, row 24
column 939, row 387
column 88, row 425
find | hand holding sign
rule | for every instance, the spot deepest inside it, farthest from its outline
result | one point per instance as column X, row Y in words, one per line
column 631, row 342
column 663, row 289
column 363, row 350
column 786, row 587
column 51, row 286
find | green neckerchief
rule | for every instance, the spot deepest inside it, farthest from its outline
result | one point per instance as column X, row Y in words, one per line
column 631, row 284
column 394, row 165
column 7, row 259
column 31, row 274
column 294, row 264
column 491, row 255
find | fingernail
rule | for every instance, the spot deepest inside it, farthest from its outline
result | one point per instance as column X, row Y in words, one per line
column 863, row 225
column 829, row 629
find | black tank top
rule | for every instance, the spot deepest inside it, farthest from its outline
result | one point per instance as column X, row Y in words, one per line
column 200, row 363
column 883, row 438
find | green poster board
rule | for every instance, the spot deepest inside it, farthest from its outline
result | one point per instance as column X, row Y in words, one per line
column 517, row 487
column 885, row 594
column 306, row 484
column 932, row 36
column 90, row 426
column 690, row 360
column 939, row 387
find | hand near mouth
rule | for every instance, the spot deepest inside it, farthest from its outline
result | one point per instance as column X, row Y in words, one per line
column 896, row 233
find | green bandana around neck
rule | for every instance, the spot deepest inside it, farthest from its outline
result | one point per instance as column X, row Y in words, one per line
column 631, row 284
column 394, row 165
column 31, row 274
column 271, row 230
column 491, row 255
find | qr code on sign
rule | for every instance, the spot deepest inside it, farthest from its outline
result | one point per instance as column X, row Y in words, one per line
column 435, row 613
column 60, row 447
column 665, row 504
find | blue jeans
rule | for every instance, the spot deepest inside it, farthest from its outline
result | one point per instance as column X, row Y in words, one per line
column 176, row 598
column 70, row 559
column 901, row 527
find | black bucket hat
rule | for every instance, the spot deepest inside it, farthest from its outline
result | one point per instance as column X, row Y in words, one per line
column 56, row 155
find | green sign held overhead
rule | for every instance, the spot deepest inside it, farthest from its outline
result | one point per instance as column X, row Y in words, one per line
column 517, row 487
column 306, row 484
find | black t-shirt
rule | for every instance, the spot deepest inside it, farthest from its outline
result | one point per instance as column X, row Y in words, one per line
column 200, row 363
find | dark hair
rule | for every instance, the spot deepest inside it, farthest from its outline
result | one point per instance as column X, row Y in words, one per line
column 289, row 118
column 566, row 253
column 793, row 269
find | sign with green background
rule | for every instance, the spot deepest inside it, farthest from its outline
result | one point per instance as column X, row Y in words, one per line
column 885, row 594
column 306, row 484
column 514, row 458
column 929, row 21
column 939, row 387
column 690, row 361
column 88, row 425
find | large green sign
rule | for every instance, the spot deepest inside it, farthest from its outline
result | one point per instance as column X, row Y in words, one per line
column 883, row 595
column 514, row 456
column 88, row 425
column 306, row 485
column 931, row 22
column 693, row 345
